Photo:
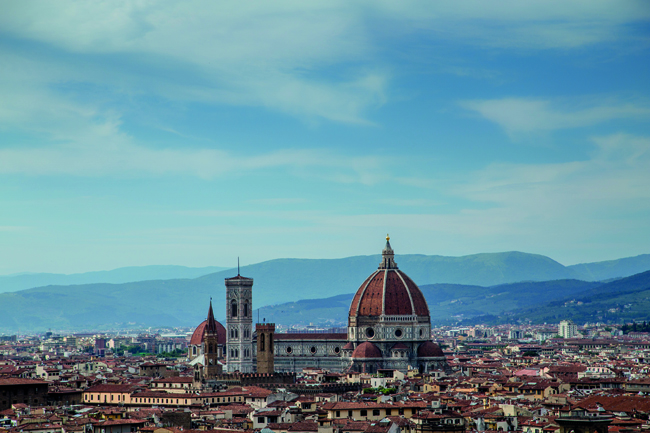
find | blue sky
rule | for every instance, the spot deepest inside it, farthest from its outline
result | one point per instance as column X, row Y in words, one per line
column 190, row 133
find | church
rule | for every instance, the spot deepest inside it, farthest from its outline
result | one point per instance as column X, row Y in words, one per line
column 389, row 327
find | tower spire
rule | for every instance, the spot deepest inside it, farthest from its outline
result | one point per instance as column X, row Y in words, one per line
column 211, row 325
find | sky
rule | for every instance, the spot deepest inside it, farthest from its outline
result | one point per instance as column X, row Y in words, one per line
column 192, row 133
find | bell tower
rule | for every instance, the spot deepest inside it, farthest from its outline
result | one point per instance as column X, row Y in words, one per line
column 211, row 347
column 239, row 324
column 265, row 356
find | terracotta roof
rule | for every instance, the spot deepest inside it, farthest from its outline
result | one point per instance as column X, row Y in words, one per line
column 199, row 333
column 112, row 388
column 239, row 277
column 396, row 296
column 429, row 349
column 174, row 379
column 399, row 346
column 19, row 381
column 366, row 350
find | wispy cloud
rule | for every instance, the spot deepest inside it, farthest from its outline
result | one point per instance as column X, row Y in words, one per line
column 522, row 115
column 119, row 157
column 13, row 228
column 269, row 54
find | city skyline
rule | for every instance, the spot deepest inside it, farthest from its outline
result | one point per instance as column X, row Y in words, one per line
column 135, row 134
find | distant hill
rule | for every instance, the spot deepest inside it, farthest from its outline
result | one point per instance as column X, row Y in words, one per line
column 464, row 287
column 13, row 283
column 599, row 271
column 448, row 303
column 626, row 299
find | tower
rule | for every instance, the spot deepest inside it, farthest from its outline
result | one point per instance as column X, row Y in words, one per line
column 211, row 347
column 239, row 324
column 265, row 348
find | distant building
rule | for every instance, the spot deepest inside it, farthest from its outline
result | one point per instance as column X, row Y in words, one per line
column 389, row 327
column 516, row 334
column 567, row 329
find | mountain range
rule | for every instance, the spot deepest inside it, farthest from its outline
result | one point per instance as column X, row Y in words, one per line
column 457, row 289
column 28, row 280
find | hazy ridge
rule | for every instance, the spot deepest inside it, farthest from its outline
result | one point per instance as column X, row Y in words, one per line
column 13, row 283
column 457, row 288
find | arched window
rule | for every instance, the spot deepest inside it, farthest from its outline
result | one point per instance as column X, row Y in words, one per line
column 210, row 348
column 270, row 342
column 233, row 308
column 194, row 350
column 262, row 342
column 245, row 309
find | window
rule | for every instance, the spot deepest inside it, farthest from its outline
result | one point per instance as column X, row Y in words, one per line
column 338, row 414
column 364, row 412
column 260, row 419
column 233, row 308
column 350, row 414
column 313, row 349
column 245, row 309
column 388, row 411
column 262, row 342
column 289, row 349
column 375, row 412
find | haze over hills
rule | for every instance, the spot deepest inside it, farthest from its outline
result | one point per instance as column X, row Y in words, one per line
column 183, row 302
column 599, row 271
column 448, row 303
column 28, row 280
column 626, row 299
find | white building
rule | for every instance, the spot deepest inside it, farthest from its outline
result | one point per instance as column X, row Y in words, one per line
column 567, row 329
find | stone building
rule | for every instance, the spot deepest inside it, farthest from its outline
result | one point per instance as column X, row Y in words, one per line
column 389, row 327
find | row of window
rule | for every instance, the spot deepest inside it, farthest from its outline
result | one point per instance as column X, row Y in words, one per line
column 375, row 412
column 234, row 333
column 234, row 310
column 234, row 353
column 313, row 350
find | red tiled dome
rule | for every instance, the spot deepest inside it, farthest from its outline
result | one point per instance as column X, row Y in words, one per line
column 348, row 346
column 429, row 349
column 388, row 291
column 366, row 350
column 399, row 295
column 199, row 333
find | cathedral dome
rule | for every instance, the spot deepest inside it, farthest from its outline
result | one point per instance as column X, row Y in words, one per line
column 388, row 291
column 366, row 350
column 429, row 349
column 211, row 326
column 199, row 334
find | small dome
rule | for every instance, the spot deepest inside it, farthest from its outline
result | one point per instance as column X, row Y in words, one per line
column 366, row 350
column 399, row 346
column 348, row 346
column 429, row 349
column 199, row 333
